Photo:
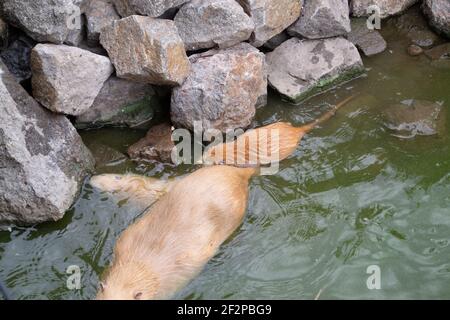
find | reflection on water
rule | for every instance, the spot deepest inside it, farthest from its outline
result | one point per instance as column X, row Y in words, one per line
column 351, row 196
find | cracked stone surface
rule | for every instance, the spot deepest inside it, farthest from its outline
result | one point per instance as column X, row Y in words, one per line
column 299, row 69
column 43, row 160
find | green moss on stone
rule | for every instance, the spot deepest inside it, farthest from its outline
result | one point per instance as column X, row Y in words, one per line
column 326, row 83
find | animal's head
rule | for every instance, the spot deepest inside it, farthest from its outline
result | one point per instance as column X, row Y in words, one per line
column 128, row 281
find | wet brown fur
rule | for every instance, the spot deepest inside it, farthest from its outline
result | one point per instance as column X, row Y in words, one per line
column 173, row 241
column 279, row 141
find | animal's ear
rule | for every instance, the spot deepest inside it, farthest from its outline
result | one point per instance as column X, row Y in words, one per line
column 138, row 296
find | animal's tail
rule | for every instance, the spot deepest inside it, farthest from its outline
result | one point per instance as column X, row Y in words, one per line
column 310, row 126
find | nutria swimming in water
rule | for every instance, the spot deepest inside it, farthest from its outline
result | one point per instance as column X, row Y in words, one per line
column 279, row 140
column 176, row 237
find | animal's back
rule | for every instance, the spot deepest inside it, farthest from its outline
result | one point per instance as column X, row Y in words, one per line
column 260, row 146
column 184, row 229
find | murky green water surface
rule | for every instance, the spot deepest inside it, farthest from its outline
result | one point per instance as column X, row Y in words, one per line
column 350, row 197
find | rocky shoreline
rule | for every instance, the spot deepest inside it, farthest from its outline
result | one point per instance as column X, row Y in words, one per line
column 113, row 62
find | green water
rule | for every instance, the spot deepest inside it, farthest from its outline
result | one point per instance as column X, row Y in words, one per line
column 350, row 197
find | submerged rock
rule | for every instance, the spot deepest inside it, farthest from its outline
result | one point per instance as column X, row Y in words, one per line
column 99, row 14
column 387, row 7
column 43, row 161
column 120, row 103
column 438, row 13
column 440, row 56
column 415, row 117
column 322, row 19
column 299, row 69
column 441, row 52
column 53, row 21
column 223, row 89
column 414, row 50
column 104, row 155
column 151, row 8
column 145, row 49
column 370, row 42
column 271, row 17
column 17, row 57
column 157, row 145
column 204, row 24
column 67, row 79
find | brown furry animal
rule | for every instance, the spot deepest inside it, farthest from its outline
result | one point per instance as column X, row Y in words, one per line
column 278, row 141
column 173, row 241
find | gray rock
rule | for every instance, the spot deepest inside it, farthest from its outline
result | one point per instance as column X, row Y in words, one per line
column 204, row 24
column 415, row 117
column 120, row 103
column 151, row 8
column 99, row 13
column 67, row 79
column 4, row 34
column 145, row 49
column 271, row 17
column 274, row 42
column 44, row 20
column 438, row 13
column 157, row 145
column 42, row 161
column 299, row 69
column 387, row 7
column 322, row 19
column 223, row 89
column 17, row 57
column 370, row 42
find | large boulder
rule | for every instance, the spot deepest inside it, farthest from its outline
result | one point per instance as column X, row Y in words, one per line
column 223, row 89
column 43, row 161
column 145, row 49
column 67, row 79
column 99, row 14
column 120, row 103
column 438, row 13
column 322, row 19
column 299, row 69
column 387, row 7
column 151, row 8
column 271, row 17
column 205, row 24
column 370, row 42
column 55, row 21
column 415, row 117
